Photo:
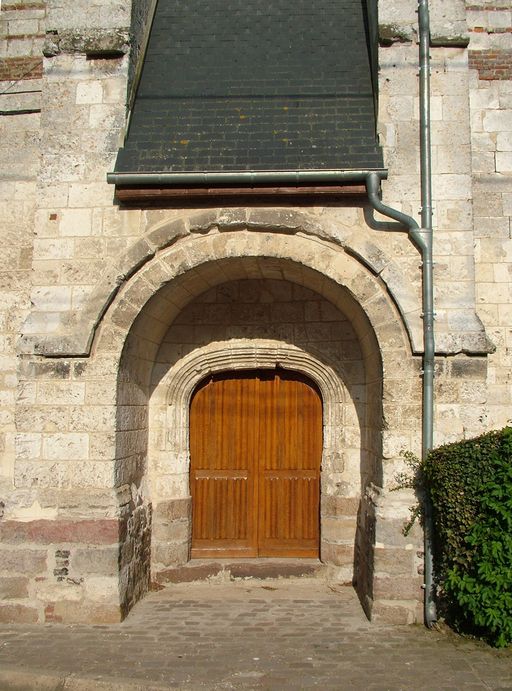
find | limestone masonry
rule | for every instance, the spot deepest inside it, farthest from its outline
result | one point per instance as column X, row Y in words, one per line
column 111, row 315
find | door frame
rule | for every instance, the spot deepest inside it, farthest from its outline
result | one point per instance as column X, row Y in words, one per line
column 169, row 459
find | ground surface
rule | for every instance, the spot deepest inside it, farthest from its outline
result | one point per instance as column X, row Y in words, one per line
column 248, row 634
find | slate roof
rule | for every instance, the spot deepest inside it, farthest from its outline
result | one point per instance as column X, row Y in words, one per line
column 239, row 85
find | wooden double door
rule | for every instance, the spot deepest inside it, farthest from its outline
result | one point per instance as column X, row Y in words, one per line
column 255, row 450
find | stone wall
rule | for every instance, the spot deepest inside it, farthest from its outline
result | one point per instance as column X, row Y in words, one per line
column 110, row 306
column 21, row 29
column 490, row 25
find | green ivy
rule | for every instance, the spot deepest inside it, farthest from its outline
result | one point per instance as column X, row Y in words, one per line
column 470, row 485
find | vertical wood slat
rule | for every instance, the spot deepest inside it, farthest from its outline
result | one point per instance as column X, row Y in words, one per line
column 255, row 444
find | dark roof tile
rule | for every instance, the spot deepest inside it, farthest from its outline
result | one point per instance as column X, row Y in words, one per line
column 250, row 85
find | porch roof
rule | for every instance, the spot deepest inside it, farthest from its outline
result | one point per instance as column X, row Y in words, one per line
column 242, row 85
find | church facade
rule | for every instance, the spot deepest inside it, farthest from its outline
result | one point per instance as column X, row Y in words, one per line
column 167, row 342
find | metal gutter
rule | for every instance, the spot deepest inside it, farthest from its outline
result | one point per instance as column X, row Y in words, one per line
column 423, row 239
column 245, row 177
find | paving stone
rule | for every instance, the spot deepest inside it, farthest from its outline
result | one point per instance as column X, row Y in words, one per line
column 295, row 634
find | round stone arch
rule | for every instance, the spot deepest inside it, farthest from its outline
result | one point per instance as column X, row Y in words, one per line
column 78, row 332
column 137, row 320
column 196, row 263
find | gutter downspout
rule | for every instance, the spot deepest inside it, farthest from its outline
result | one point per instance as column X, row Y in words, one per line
column 428, row 291
column 422, row 239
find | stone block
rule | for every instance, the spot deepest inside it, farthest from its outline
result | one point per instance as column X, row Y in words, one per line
column 507, row 204
column 71, row 445
column 341, row 529
column 386, row 588
column 83, row 195
column 450, row 186
column 53, row 249
column 75, row 222
column 496, row 121
column 52, row 299
column 23, row 560
column 89, row 92
column 165, row 235
column 469, row 368
column 12, row 587
column 504, row 160
column 92, row 532
column 28, row 445
column 175, row 531
column 173, row 509
column 339, row 506
column 86, row 561
column 390, row 532
column 394, row 612
column 18, row 614
column 102, row 588
column 396, row 561
column 504, row 141
column 339, row 555
column 60, row 393
column 170, row 554
column 83, row 613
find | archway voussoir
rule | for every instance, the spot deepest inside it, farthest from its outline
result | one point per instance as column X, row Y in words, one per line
column 204, row 221
column 135, row 257
column 284, row 220
column 167, row 234
column 137, row 293
column 229, row 219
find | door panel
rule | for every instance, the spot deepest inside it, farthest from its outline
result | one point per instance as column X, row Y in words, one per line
column 222, row 448
column 255, row 446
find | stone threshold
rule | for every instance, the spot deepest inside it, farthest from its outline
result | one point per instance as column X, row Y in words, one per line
column 258, row 568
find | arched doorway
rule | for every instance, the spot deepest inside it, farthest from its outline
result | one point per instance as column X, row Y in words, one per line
column 255, row 454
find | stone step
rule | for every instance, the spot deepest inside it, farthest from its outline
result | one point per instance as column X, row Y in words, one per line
column 202, row 569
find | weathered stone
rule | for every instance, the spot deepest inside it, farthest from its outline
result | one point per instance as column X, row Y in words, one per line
column 387, row 588
column 22, row 560
column 394, row 612
column 97, row 561
column 339, row 506
column 50, row 532
column 170, row 554
column 13, row 587
column 148, row 302
column 394, row 561
column 83, row 612
column 113, row 42
column 339, row 529
column 337, row 554
column 173, row 509
column 18, row 614
column 392, row 33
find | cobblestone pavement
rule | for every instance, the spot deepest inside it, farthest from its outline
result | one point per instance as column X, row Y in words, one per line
column 247, row 634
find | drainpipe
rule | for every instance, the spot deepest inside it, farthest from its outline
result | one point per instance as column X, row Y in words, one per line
column 422, row 239
column 428, row 292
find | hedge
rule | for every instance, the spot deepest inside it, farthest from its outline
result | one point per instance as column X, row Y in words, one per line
column 470, row 486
